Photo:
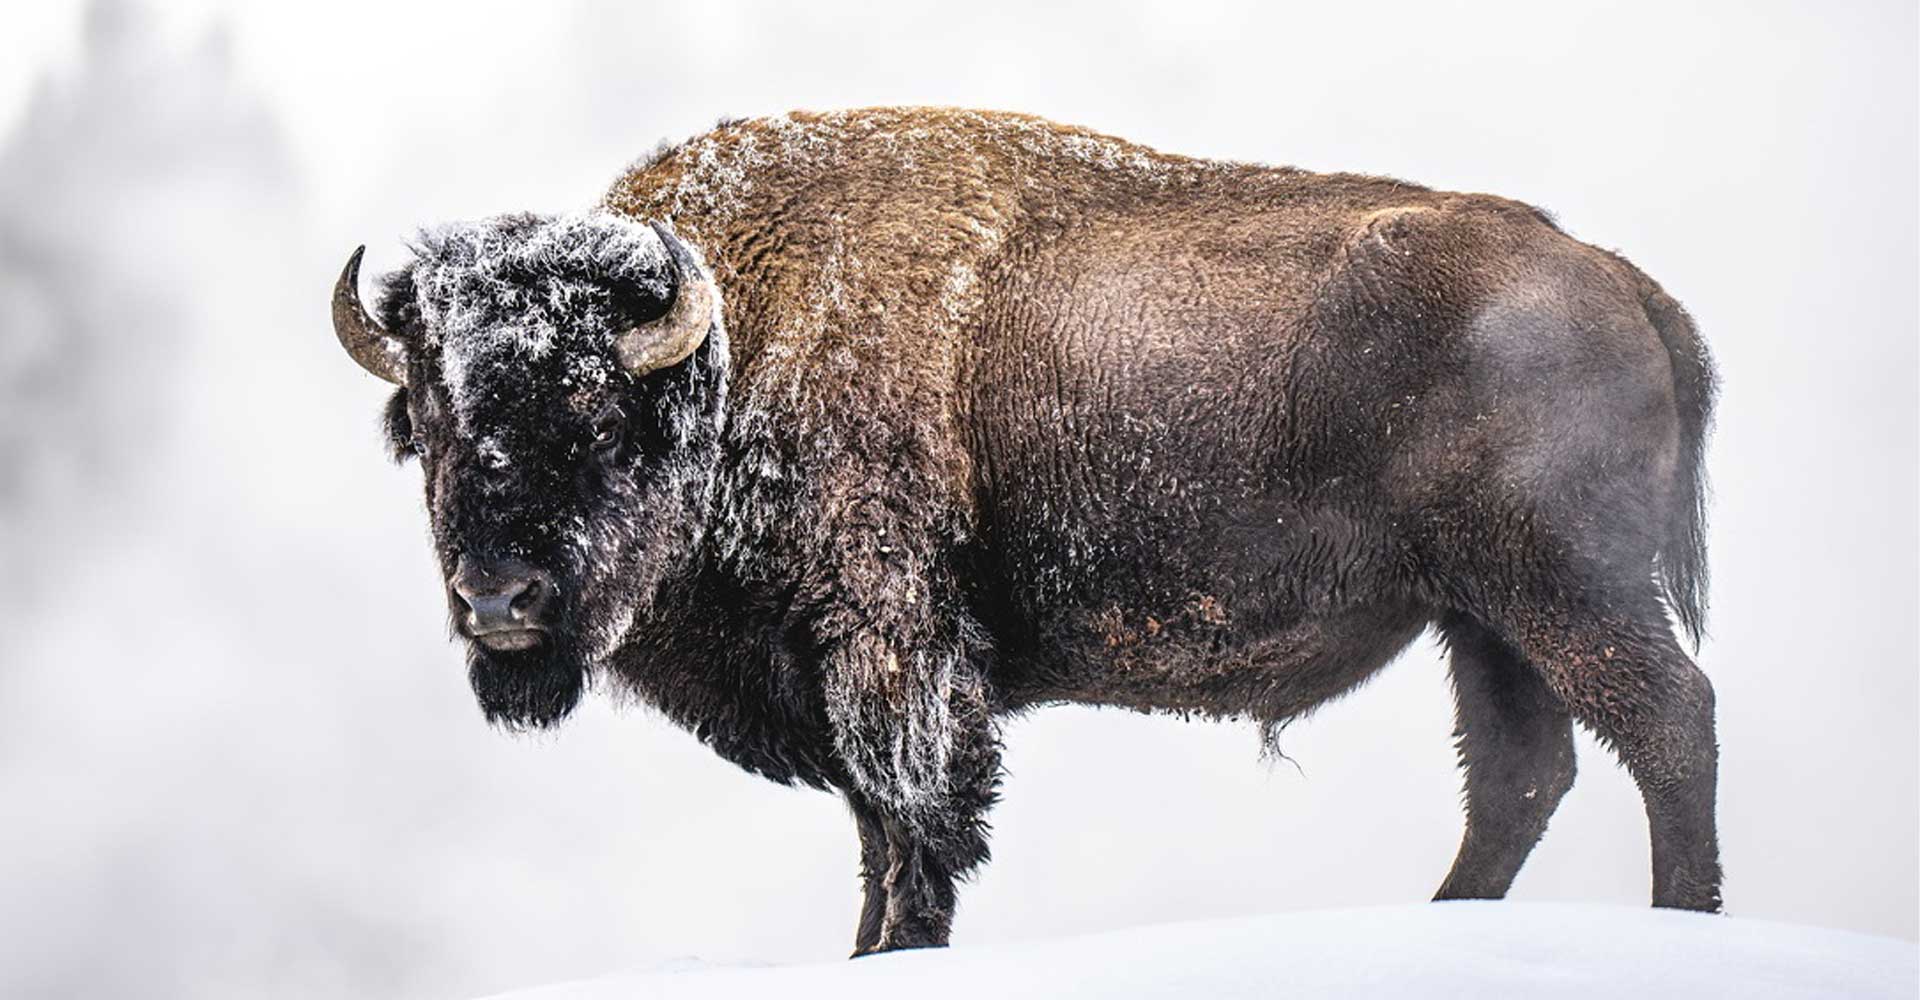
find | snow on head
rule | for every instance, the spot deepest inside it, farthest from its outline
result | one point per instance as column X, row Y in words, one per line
column 500, row 292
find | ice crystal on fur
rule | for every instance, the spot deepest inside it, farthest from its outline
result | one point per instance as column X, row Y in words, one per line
column 498, row 293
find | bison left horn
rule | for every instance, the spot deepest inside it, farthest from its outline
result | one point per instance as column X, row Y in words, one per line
column 378, row 351
column 669, row 339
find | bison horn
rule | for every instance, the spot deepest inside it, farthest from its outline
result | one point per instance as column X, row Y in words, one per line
column 378, row 351
column 669, row 339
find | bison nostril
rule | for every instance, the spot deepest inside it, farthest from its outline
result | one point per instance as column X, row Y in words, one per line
column 529, row 599
column 502, row 595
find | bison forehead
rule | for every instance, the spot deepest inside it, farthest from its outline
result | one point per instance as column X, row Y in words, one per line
column 525, row 304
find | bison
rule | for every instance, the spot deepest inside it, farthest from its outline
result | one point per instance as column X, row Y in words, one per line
column 840, row 437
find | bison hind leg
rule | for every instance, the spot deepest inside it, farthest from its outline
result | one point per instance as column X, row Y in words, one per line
column 1515, row 741
column 1610, row 655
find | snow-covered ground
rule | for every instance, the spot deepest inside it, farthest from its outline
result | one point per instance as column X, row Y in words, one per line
column 1465, row 950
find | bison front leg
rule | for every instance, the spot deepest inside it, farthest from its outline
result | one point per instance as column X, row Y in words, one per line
column 903, row 663
column 875, row 861
column 913, row 729
column 910, row 877
column 922, row 825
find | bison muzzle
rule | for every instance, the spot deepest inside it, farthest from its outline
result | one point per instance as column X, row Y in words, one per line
column 840, row 437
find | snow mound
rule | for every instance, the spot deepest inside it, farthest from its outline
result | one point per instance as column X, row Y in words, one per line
column 1445, row 950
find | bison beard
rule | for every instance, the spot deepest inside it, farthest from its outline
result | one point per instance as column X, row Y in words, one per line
column 526, row 689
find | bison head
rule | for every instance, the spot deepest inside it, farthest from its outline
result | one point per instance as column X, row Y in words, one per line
column 562, row 384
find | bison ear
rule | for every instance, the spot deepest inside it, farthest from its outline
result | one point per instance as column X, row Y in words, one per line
column 398, row 427
column 379, row 352
column 668, row 339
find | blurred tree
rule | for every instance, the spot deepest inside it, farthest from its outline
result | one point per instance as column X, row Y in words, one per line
column 108, row 169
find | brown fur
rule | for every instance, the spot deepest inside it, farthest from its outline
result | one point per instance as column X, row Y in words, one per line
column 1017, row 413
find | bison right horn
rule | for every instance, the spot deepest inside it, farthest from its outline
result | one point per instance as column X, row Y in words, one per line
column 669, row 339
column 379, row 352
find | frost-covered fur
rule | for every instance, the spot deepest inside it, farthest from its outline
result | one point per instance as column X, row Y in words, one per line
column 520, row 288
column 1013, row 413
column 514, row 322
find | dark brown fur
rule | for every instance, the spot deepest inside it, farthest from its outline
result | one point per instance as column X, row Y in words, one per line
column 1020, row 414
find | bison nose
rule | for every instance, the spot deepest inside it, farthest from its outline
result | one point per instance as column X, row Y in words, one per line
column 501, row 595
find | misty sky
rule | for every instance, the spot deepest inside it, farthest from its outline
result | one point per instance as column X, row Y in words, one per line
column 238, row 756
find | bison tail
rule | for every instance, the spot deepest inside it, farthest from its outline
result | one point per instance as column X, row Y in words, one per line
column 1682, row 560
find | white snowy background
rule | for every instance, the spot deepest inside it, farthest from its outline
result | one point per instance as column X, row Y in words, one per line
column 237, row 754
column 1454, row 951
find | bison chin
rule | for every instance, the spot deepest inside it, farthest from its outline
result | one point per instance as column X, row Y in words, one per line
column 526, row 689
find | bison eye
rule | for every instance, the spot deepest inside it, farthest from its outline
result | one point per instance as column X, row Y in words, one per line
column 607, row 431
